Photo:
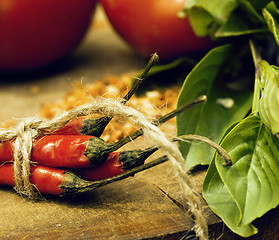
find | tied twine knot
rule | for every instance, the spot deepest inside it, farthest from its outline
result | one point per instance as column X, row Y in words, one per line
column 26, row 132
column 23, row 136
column 31, row 128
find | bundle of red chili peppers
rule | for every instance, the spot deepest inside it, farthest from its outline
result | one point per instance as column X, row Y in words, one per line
column 74, row 159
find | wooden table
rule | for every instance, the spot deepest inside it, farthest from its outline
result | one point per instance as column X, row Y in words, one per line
column 148, row 206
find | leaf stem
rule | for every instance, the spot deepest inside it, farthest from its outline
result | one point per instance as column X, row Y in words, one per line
column 221, row 151
column 257, row 88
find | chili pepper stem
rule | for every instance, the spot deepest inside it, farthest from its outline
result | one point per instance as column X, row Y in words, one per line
column 134, row 158
column 154, row 58
column 157, row 122
column 95, row 127
column 98, row 150
column 74, row 185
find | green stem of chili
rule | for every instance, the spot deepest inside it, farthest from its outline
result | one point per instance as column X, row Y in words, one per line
column 98, row 150
column 95, row 127
column 158, row 122
column 73, row 185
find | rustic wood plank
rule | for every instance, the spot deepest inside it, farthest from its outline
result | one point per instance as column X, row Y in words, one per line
column 129, row 209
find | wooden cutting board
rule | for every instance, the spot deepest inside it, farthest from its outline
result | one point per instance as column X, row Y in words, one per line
column 148, row 206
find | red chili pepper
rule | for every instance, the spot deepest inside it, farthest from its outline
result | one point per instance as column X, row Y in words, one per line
column 94, row 149
column 7, row 175
column 71, row 128
column 83, row 126
column 47, row 180
column 111, row 167
column 6, row 151
column 61, row 151
column 115, row 164
column 70, row 151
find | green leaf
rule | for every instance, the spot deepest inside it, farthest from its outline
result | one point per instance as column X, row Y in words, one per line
column 242, row 21
column 252, row 182
column 219, row 18
column 222, row 204
column 258, row 4
column 206, row 15
column 268, row 105
column 210, row 119
column 219, row 9
column 201, row 21
column 253, row 9
column 236, row 26
column 271, row 15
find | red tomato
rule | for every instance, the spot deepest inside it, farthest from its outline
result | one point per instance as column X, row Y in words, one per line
column 34, row 33
column 153, row 26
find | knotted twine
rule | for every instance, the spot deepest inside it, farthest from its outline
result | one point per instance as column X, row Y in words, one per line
column 30, row 128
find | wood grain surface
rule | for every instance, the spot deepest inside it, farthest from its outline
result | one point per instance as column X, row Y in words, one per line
column 147, row 206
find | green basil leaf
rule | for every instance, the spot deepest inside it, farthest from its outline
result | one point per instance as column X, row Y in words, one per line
column 253, row 9
column 258, row 4
column 210, row 119
column 236, row 26
column 271, row 15
column 222, row 203
column 253, row 179
column 243, row 20
column 206, row 15
column 269, row 100
column 219, row 18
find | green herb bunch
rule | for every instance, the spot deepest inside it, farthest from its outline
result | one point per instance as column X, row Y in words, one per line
column 241, row 81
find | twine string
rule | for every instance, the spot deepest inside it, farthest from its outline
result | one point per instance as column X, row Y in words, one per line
column 31, row 128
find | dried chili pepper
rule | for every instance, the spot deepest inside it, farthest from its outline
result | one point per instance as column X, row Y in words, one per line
column 95, row 127
column 116, row 163
column 48, row 180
